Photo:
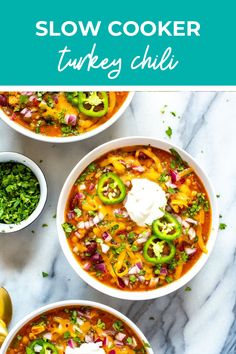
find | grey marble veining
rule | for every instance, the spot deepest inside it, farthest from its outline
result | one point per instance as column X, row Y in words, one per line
column 201, row 321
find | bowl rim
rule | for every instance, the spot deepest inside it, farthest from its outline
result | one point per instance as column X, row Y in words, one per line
column 93, row 155
column 10, row 156
column 65, row 303
column 70, row 139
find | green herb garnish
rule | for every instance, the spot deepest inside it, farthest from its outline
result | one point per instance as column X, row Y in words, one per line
column 222, row 226
column 19, row 192
column 169, row 132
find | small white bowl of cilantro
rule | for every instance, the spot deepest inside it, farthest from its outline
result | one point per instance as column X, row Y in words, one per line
column 23, row 191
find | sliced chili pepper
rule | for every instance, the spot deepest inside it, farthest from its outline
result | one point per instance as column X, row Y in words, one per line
column 93, row 104
column 46, row 346
column 111, row 189
column 167, row 227
column 154, row 250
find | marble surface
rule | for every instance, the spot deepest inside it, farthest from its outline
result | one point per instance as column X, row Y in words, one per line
column 201, row 321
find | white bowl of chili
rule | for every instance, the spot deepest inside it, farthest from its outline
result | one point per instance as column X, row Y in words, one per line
column 115, row 248
column 59, row 117
column 24, row 191
column 114, row 330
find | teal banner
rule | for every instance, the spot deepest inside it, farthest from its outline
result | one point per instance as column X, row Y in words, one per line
column 115, row 43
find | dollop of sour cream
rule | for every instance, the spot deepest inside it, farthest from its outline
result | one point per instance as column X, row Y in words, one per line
column 86, row 348
column 145, row 201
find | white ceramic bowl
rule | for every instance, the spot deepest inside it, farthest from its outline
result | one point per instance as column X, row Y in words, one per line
column 95, row 154
column 67, row 303
column 50, row 139
column 13, row 156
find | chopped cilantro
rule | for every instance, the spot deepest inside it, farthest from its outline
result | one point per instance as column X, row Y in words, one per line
column 24, row 99
column 169, row 132
column 168, row 279
column 134, row 248
column 129, row 340
column 187, row 288
column 132, row 278
column 66, row 335
column 222, row 226
column 68, row 228
column 78, row 212
column 114, row 228
column 44, row 274
column 177, row 162
column 101, row 324
column 171, row 190
column 118, row 326
column 163, row 177
column 19, row 192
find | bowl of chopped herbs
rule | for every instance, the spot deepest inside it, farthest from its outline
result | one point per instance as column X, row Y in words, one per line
column 23, row 191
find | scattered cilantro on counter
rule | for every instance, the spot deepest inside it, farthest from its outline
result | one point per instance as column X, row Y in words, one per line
column 169, row 132
column 222, row 226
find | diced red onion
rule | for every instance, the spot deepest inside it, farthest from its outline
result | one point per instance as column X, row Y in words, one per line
column 55, row 98
column 24, row 111
column 112, row 351
column 153, row 282
column 104, row 342
column 134, row 270
column 185, row 224
column 101, row 267
column 3, row 100
column 87, row 266
column 32, row 98
column 191, row 221
column 121, row 283
column 173, row 176
column 13, row 117
column 77, row 234
column 163, row 271
column 126, row 280
column 70, row 119
column 105, row 248
column 139, row 265
column 190, row 251
column 71, row 343
column 98, row 218
column 191, row 233
column 27, row 93
column 91, row 186
column 118, row 343
column 48, row 336
column 142, row 156
column 88, row 338
column 74, row 202
column 92, row 248
column 71, row 215
column 120, row 336
column 106, row 236
column 28, row 114
column 128, row 183
column 96, row 257
column 138, row 168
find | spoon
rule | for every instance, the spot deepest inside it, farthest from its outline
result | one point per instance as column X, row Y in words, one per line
column 5, row 313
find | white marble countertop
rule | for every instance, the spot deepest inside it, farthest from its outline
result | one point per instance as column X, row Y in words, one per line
column 200, row 321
